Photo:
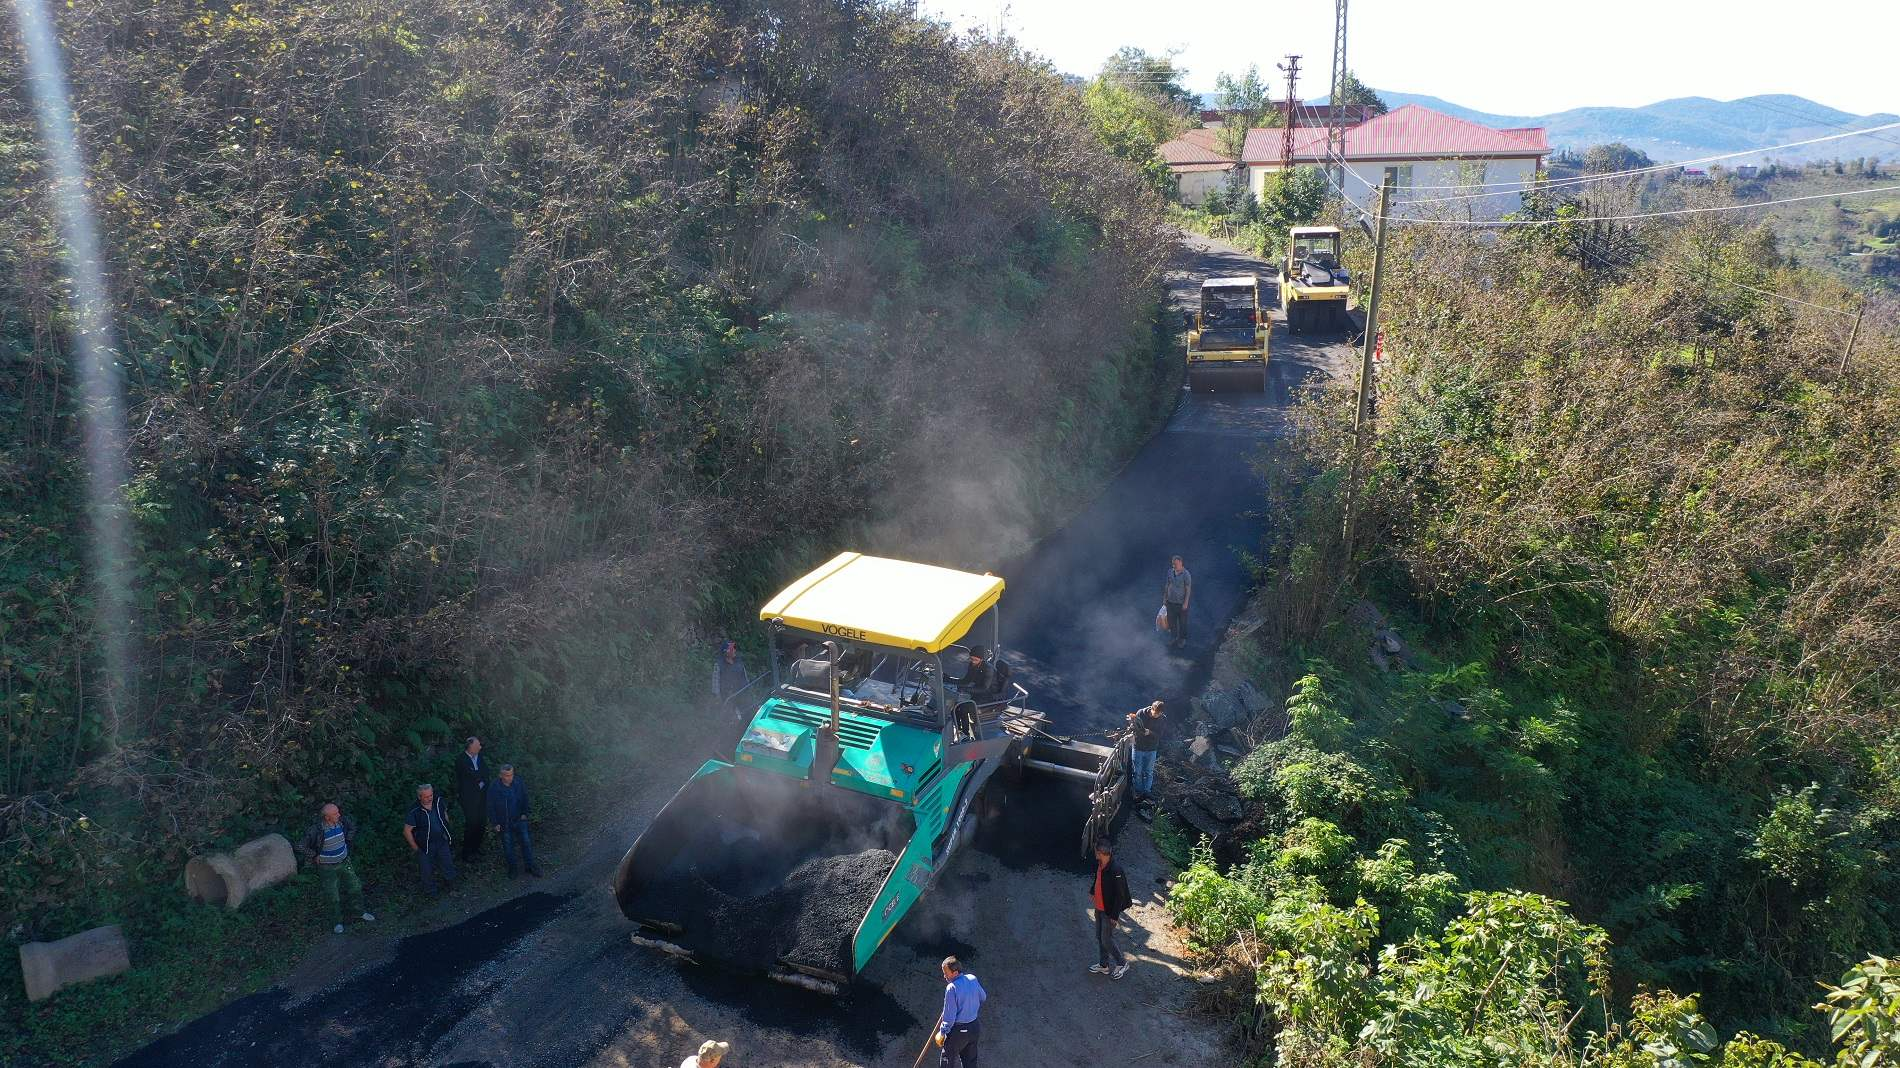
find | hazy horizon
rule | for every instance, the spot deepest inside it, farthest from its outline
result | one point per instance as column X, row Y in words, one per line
column 1483, row 54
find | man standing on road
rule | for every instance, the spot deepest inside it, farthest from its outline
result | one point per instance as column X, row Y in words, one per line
column 1176, row 592
column 1146, row 723
column 958, row 1031
column 1111, row 900
column 471, row 789
column 327, row 844
column 427, row 831
column 711, row 1054
column 508, row 814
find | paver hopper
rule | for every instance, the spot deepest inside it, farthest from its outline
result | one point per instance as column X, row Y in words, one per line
column 854, row 783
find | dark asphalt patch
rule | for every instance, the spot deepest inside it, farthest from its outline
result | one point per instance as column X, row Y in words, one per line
column 1040, row 825
column 388, row 1016
column 939, row 946
column 862, row 1019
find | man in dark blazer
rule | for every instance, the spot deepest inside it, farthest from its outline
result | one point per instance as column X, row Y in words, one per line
column 471, row 789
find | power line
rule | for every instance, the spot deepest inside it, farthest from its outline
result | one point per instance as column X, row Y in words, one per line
column 1601, row 256
column 1779, row 296
column 1818, row 120
column 1488, row 224
column 1610, row 258
column 1611, row 175
column 1648, row 214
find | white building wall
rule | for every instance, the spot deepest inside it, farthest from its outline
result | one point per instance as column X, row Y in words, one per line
column 1196, row 185
column 1432, row 180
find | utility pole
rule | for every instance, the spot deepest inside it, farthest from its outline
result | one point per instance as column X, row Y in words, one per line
column 1335, row 121
column 1860, row 306
column 1362, row 416
column 1292, row 68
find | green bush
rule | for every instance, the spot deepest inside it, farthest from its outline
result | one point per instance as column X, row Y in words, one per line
column 1214, row 910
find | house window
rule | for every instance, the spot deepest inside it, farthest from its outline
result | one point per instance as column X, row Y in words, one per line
column 1400, row 176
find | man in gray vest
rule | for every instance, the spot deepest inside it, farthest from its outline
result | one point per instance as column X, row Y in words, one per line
column 427, row 831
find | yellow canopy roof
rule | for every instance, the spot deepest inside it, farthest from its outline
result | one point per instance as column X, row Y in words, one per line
column 889, row 602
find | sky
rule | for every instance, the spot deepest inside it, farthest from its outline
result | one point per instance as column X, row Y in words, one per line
column 1509, row 57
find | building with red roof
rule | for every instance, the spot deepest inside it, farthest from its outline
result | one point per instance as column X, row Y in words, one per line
column 1437, row 162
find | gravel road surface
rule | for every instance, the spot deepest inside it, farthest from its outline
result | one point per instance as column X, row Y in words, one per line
column 548, row 979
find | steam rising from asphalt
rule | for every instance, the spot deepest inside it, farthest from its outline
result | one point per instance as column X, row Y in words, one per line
column 93, row 341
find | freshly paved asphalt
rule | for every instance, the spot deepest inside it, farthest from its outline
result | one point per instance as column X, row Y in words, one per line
column 548, row 978
column 1080, row 608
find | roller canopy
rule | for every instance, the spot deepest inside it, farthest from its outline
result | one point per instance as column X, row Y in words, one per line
column 886, row 602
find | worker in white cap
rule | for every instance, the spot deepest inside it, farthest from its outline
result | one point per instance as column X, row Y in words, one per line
column 711, row 1054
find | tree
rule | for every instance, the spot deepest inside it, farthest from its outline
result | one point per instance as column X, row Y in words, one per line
column 1133, row 124
column 1152, row 76
column 1246, row 100
column 1233, row 135
column 1354, row 91
column 1615, row 156
column 1293, row 197
column 1246, row 95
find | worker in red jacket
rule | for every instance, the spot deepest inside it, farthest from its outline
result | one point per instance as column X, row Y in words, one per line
column 1111, row 899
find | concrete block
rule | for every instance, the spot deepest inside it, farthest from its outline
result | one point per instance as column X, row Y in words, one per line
column 229, row 878
column 94, row 954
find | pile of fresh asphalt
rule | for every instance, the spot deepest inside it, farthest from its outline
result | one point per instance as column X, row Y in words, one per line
column 784, row 875
column 732, row 909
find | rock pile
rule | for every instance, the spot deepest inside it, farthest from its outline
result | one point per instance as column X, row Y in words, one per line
column 1206, row 801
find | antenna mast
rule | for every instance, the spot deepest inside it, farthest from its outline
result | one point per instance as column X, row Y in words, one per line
column 1335, row 120
column 1292, row 68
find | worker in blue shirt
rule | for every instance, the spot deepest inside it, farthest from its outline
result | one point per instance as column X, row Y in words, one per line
column 958, row 1030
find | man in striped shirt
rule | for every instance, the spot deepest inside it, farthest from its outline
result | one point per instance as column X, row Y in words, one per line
column 327, row 844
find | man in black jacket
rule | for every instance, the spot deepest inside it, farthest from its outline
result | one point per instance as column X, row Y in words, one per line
column 1111, row 899
column 508, row 812
column 471, row 789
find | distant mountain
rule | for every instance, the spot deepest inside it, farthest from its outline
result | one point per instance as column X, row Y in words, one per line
column 1693, row 127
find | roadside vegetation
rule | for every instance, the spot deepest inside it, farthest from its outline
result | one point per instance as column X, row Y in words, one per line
column 1628, row 791
column 1855, row 238
column 483, row 361
column 1259, row 224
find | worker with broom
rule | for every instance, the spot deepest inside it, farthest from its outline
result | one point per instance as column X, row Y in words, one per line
column 958, row 1030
